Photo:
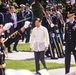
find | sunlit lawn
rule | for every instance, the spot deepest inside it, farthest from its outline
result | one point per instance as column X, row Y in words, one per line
column 30, row 65
column 22, row 47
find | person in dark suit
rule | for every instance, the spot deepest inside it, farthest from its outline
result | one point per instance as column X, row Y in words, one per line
column 70, row 38
column 11, row 17
column 1, row 18
column 4, row 6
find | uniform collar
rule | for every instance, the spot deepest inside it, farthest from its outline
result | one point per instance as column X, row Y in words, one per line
column 39, row 27
column 72, row 21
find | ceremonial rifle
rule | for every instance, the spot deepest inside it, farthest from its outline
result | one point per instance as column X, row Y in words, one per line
column 50, row 22
column 63, row 22
column 22, row 20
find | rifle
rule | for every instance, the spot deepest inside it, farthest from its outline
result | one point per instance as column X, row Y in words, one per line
column 63, row 22
column 22, row 20
column 50, row 22
column 48, row 18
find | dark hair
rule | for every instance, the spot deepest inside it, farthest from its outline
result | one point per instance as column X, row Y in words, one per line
column 37, row 19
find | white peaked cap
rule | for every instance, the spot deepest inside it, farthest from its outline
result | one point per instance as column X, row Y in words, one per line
column 22, row 5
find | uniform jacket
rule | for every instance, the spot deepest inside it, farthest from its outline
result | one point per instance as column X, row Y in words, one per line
column 20, row 17
column 29, row 14
column 1, row 18
column 46, row 24
column 7, row 19
column 70, row 35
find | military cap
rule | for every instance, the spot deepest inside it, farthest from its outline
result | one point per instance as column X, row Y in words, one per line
column 22, row 5
column 59, row 6
column 27, row 5
column 70, row 14
column 47, row 7
column 53, row 9
column 68, row 2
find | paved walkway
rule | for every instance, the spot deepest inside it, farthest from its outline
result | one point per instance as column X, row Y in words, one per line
column 30, row 56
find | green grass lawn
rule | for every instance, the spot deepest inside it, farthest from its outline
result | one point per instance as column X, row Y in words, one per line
column 22, row 47
column 30, row 65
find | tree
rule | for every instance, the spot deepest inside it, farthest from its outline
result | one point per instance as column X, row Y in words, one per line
column 21, row 2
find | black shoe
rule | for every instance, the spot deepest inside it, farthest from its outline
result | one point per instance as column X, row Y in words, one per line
column 47, row 55
column 9, row 51
column 54, row 57
column 15, row 50
column 37, row 73
column 61, row 56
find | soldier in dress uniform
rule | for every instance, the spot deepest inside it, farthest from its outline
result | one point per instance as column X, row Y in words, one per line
column 70, row 38
column 68, row 6
column 56, row 33
column 20, row 16
column 46, row 24
column 28, row 13
column 2, row 57
column 8, row 41
column 14, row 36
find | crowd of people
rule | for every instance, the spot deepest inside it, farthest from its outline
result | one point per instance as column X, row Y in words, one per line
column 50, row 34
column 9, row 14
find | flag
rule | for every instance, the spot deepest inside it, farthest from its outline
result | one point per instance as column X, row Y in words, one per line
column 72, row 2
column 31, row 2
column 52, row 1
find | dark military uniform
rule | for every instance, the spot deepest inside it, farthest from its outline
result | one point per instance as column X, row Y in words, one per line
column 28, row 14
column 56, row 31
column 1, row 18
column 70, row 37
column 2, row 60
column 46, row 24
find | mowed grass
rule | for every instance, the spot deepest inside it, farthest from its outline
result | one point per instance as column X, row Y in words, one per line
column 30, row 65
column 22, row 47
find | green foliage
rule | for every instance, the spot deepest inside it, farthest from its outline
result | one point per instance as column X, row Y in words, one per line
column 60, row 1
column 37, row 11
column 21, row 2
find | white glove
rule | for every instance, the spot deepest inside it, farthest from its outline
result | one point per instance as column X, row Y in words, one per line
column 52, row 25
column 27, row 24
column 7, row 26
column 53, row 35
